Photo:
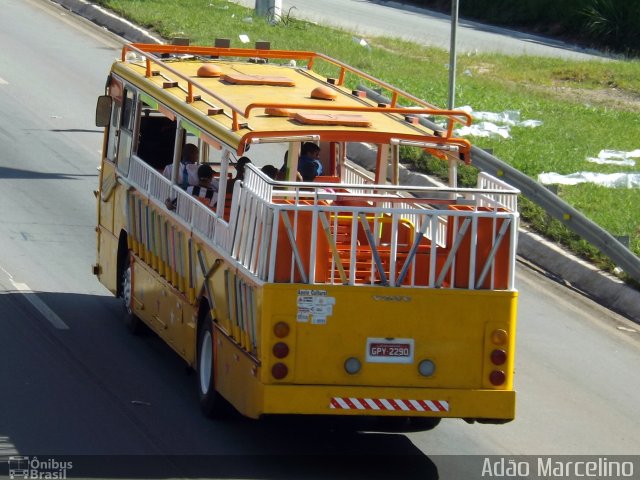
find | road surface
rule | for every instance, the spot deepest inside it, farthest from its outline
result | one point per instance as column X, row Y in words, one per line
column 427, row 27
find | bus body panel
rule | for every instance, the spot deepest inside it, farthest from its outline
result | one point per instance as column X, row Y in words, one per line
column 164, row 310
column 469, row 404
column 448, row 327
column 107, row 259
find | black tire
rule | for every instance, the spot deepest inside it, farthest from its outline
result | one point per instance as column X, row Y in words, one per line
column 211, row 402
column 132, row 322
column 423, row 424
column 406, row 424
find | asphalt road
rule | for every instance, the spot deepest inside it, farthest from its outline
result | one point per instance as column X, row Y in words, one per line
column 393, row 19
column 74, row 382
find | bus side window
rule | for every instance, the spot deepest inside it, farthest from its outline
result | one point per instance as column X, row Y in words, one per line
column 127, row 123
column 156, row 140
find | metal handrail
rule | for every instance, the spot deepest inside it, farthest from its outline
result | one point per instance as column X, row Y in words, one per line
column 251, row 236
column 147, row 51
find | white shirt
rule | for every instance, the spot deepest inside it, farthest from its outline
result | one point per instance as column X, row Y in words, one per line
column 192, row 172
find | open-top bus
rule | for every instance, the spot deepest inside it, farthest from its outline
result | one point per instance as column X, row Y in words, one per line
column 348, row 295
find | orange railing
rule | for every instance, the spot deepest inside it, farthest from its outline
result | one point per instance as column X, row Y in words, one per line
column 148, row 51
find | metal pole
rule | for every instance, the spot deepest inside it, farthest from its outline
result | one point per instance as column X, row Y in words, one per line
column 453, row 167
column 452, row 54
column 271, row 8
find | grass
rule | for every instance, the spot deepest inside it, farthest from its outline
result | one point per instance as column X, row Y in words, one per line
column 586, row 106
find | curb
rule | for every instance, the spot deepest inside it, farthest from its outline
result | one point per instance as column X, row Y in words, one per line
column 605, row 289
column 602, row 287
column 109, row 20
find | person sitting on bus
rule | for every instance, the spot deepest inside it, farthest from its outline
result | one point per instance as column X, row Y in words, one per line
column 309, row 172
column 310, row 155
column 240, row 164
column 270, row 171
column 282, row 173
column 207, row 189
column 188, row 174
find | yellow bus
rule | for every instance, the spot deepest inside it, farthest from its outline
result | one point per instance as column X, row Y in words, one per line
column 344, row 294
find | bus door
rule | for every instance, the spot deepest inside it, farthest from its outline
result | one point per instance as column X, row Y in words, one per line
column 109, row 157
column 109, row 195
column 118, row 154
column 127, row 126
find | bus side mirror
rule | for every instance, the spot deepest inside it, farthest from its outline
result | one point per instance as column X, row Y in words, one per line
column 103, row 111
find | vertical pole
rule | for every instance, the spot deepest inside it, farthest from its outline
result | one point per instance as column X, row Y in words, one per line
column 261, row 7
column 453, row 167
column 452, row 54
column 270, row 8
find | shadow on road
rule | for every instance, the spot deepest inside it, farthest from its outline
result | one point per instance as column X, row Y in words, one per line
column 18, row 173
column 120, row 406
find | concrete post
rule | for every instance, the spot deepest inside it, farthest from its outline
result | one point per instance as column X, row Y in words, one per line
column 270, row 8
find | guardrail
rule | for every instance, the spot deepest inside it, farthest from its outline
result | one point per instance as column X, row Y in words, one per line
column 561, row 211
column 551, row 203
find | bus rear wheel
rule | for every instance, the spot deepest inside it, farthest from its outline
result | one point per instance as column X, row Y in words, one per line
column 132, row 322
column 211, row 403
column 406, row 424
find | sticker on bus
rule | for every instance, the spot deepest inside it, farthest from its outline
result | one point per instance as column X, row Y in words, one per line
column 316, row 305
column 390, row 350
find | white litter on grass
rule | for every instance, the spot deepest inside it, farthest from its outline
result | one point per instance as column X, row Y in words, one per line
column 615, row 157
column 362, row 42
column 508, row 117
column 611, row 180
column 483, row 129
column 494, row 124
column 243, row 38
column 529, row 123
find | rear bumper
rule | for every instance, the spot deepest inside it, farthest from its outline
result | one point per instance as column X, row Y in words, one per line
column 391, row 401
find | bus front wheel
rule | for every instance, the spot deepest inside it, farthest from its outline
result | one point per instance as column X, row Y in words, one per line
column 132, row 322
column 211, row 403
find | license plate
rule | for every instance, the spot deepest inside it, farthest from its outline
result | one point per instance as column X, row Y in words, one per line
column 390, row 350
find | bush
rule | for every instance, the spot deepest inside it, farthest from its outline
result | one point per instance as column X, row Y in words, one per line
column 603, row 24
column 615, row 23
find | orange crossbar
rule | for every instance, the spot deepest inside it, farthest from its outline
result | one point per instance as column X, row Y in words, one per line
column 310, row 57
column 371, row 137
column 454, row 114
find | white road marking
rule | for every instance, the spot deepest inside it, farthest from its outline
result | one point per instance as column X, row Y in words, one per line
column 3, row 81
column 38, row 304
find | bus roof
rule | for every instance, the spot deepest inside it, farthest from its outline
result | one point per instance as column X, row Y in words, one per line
column 241, row 94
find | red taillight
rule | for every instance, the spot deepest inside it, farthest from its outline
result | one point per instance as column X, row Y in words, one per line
column 279, row 371
column 497, row 377
column 498, row 357
column 280, row 350
column 281, row 329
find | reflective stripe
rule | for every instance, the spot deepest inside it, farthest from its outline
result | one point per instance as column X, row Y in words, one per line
column 392, row 404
